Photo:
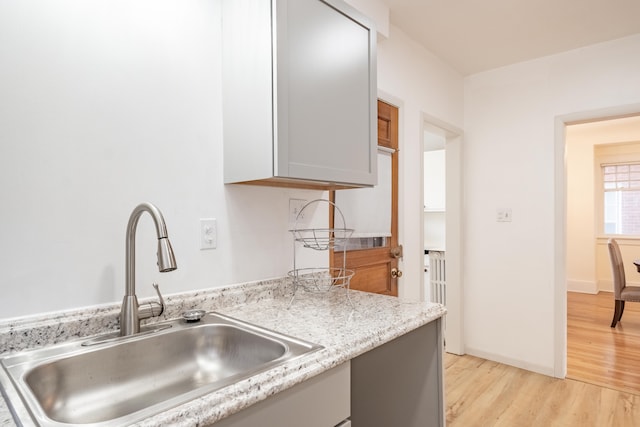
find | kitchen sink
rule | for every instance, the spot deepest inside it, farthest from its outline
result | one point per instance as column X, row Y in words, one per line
column 120, row 380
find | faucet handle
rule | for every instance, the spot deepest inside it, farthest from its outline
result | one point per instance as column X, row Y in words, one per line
column 160, row 299
column 152, row 309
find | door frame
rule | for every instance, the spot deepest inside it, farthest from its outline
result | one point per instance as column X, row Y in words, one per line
column 453, row 229
column 560, row 223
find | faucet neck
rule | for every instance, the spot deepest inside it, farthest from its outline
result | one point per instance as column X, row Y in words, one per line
column 131, row 313
column 161, row 232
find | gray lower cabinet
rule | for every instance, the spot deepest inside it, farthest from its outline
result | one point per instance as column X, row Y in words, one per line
column 400, row 383
column 322, row 401
column 397, row 384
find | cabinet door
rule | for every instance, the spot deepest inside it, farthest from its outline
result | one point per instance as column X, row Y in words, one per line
column 326, row 93
column 400, row 383
column 434, row 180
column 321, row 401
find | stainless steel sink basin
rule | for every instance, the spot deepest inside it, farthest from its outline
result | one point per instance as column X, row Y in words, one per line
column 123, row 380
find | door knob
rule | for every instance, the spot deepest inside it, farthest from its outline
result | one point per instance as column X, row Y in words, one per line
column 396, row 252
column 395, row 273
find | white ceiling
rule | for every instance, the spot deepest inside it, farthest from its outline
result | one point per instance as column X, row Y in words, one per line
column 478, row 35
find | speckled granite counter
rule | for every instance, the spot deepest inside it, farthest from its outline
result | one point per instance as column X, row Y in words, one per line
column 325, row 319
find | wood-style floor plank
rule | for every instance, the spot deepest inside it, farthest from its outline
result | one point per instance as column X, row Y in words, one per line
column 481, row 393
column 597, row 353
column 602, row 388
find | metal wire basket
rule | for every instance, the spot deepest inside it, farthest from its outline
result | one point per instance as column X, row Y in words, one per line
column 321, row 239
column 321, row 279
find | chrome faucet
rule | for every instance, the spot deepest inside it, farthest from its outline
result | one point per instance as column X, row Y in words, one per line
column 131, row 312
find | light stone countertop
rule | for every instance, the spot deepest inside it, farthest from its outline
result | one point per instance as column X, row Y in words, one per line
column 326, row 319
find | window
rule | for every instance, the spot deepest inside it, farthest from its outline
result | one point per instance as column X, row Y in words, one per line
column 621, row 184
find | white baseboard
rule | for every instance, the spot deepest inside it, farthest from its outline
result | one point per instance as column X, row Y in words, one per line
column 544, row 370
column 582, row 286
column 605, row 285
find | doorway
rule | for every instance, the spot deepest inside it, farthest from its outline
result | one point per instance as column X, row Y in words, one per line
column 434, row 216
column 435, row 134
column 597, row 353
column 561, row 220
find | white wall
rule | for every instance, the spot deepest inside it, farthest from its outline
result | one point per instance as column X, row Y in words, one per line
column 109, row 103
column 100, row 113
column 510, row 268
column 104, row 104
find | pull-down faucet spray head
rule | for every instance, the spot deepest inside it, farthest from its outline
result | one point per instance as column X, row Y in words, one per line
column 166, row 259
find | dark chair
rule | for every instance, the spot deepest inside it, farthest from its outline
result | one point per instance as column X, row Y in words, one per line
column 621, row 291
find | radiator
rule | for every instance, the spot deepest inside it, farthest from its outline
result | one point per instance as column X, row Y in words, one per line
column 438, row 277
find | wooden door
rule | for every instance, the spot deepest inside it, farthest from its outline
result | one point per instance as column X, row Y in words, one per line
column 376, row 269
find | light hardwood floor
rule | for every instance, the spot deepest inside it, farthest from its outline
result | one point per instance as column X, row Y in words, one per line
column 481, row 393
column 598, row 353
column 606, row 361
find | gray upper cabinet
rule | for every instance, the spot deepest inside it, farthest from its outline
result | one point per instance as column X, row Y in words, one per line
column 299, row 94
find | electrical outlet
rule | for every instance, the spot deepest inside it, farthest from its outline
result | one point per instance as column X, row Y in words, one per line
column 208, row 233
column 295, row 210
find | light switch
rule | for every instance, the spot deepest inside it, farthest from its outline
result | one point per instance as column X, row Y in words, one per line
column 504, row 215
column 208, row 233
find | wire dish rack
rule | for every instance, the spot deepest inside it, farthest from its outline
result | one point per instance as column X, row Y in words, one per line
column 321, row 279
column 320, row 239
